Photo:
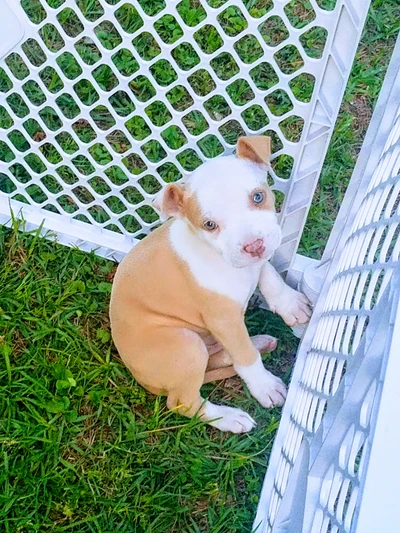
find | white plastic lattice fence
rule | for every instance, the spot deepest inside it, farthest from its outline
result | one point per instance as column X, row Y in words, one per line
column 333, row 467
column 104, row 101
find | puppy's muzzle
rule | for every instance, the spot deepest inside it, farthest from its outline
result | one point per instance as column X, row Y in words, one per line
column 254, row 248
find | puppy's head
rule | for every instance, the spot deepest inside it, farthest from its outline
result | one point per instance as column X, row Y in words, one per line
column 227, row 203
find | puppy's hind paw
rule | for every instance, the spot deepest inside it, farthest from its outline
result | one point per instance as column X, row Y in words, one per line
column 228, row 418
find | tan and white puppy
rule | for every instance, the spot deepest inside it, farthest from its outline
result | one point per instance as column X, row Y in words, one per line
column 179, row 297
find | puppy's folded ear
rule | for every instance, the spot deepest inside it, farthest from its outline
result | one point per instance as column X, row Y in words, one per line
column 169, row 201
column 256, row 149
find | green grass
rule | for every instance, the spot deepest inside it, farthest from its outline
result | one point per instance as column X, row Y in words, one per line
column 83, row 447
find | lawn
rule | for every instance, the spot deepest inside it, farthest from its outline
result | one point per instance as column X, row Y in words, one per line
column 83, row 447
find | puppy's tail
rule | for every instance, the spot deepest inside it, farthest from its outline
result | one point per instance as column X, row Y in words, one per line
column 219, row 373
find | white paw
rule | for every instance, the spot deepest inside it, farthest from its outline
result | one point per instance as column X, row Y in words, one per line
column 229, row 418
column 269, row 390
column 292, row 306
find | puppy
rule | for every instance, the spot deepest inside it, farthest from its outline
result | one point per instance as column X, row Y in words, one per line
column 179, row 297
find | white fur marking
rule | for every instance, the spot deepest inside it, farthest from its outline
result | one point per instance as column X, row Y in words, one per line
column 229, row 418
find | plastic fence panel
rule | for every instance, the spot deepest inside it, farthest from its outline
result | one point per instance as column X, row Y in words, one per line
column 319, row 466
column 104, row 102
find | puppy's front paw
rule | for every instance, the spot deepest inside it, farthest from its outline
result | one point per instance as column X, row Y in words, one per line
column 269, row 390
column 228, row 418
column 292, row 306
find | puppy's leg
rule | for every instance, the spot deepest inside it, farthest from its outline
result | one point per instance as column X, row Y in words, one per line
column 290, row 304
column 229, row 329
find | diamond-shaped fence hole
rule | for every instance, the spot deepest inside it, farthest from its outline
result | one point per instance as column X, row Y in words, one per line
column 91, row 9
column 68, row 106
column 5, row 119
column 37, row 194
column 70, row 22
column 35, row 163
column 201, row 82
column 249, row 49
column 100, row 154
column 300, row 13
column 99, row 186
column 67, row 175
column 34, row 10
column 313, row 41
column 119, row 141
column 6, row 155
column 69, row 65
column 50, row 118
column 132, row 195
column 102, row 117
column 163, row 73
column 146, row 46
column 52, row 208
column 174, row 137
column 185, row 56
column 108, row 35
column 142, row 88
column 147, row 214
column 84, row 131
column 6, row 185
column 125, row 62
column 150, row 7
column 240, row 92
column 217, row 107
column 122, row 105
column 210, row 146
column 5, row 82
column 105, row 78
column 83, row 195
column 116, row 175
column 292, row 128
column 98, row 213
column 138, row 128
column 154, row 151
column 208, row 39
column 289, row 59
column 282, row 165
column 150, row 184
column 33, row 52
column 83, row 165
column 67, row 143
column 231, row 131
column 168, row 29
column 19, row 141
column 258, row 8
column 224, row 66
column 273, row 31
column 51, row 153
column 51, row 184
column 328, row 5
column 158, row 113
column 88, row 50
column 195, row 122
column 179, row 98
column 34, row 130
column 189, row 159
column 34, row 92
column 67, row 203
column 86, row 92
column 279, row 200
column 20, row 198
column 279, row 102
column 192, row 12
column 51, row 79
column 135, row 164
column 264, row 76
column 51, row 37
column 232, row 21
column 255, row 117
column 20, row 173
column 128, row 18
column 18, row 105
column 169, row 172
column 17, row 66
column 130, row 224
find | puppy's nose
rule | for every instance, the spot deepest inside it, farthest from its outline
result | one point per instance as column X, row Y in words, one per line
column 254, row 248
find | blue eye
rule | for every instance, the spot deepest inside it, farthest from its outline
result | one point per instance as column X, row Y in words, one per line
column 258, row 197
column 210, row 225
